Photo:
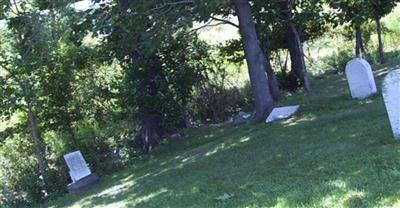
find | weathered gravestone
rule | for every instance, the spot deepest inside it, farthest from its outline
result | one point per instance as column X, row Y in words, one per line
column 360, row 78
column 282, row 113
column 391, row 96
column 81, row 176
column 242, row 118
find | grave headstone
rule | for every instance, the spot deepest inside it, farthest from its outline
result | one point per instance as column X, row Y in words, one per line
column 241, row 118
column 360, row 78
column 78, row 168
column 391, row 96
column 81, row 176
column 282, row 113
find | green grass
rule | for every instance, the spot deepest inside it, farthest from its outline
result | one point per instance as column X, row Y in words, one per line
column 337, row 152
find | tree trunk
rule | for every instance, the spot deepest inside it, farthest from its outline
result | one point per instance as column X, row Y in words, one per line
column 37, row 141
column 359, row 43
column 186, row 117
column 151, row 116
column 299, row 68
column 151, row 131
column 273, row 81
column 380, row 42
column 256, row 61
column 294, row 78
column 304, row 74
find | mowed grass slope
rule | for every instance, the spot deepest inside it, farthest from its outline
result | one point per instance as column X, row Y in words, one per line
column 336, row 152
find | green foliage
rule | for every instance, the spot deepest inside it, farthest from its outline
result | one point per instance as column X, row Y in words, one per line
column 18, row 173
column 309, row 17
column 339, row 60
column 218, row 97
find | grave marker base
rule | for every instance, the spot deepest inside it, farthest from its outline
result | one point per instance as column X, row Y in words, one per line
column 83, row 184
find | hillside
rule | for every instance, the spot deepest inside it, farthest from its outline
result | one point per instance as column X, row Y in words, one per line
column 337, row 152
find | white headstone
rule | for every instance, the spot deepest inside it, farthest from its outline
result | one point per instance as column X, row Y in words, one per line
column 361, row 79
column 282, row 113
column 391, row 96
column 77, row 166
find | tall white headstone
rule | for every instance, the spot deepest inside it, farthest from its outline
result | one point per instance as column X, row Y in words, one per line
column 77, row 166
column 360, row 78
column 391, row 96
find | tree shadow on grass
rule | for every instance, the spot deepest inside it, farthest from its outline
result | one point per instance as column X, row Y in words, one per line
column 326, row 156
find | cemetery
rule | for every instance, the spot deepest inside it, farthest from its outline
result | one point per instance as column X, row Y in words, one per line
column 182, row 103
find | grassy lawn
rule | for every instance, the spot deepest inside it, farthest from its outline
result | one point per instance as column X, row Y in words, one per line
column 337, row 152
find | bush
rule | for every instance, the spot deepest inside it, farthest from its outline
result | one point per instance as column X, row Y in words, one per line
column 339, row 60
column 105, row 146
column 217, row 98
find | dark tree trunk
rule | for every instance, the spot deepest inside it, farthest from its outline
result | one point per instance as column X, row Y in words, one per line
column 151, row 131
column 299, row 68
column 37, row 141
column 295, row 47
column 273, row 81
column 151, row 117
column 380, row 42
column 274, row 85
column 256, row 61
column 304, row 74
column 359, row 42
column 186, row 117
column 294, row 77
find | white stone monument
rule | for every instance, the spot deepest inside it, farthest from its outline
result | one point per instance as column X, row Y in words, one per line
column 282, row 113
column 360, row 78
column 391, row 96
column 78, row 168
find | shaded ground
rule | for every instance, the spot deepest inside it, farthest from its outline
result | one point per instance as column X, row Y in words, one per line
column 337, row 152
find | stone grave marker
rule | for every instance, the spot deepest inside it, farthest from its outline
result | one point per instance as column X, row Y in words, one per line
column 282, row 113
column 81, row 176
column 78, row 168
column 360, row 78
column 242, row 118
column 391, row 96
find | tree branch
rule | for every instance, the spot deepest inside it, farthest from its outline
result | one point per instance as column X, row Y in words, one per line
column 225, row 21
column 169, row 4
column 207, row 25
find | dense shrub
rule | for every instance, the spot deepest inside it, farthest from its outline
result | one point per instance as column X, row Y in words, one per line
column 105, row 146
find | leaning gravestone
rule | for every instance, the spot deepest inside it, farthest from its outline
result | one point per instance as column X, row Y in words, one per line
column 282, row 113
column 81, row 176
column 360, row 78
column 391, row 96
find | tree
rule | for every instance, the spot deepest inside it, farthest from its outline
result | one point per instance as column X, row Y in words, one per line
column 161, row 58
column 256, row 60
column 353, row 12
column 288, row 12
column 181, row 14
column 275, row 21
column 20, row 61
column 378, row 9
column 37, row 65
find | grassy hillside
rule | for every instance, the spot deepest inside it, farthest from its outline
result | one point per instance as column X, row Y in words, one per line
column 337, row 152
